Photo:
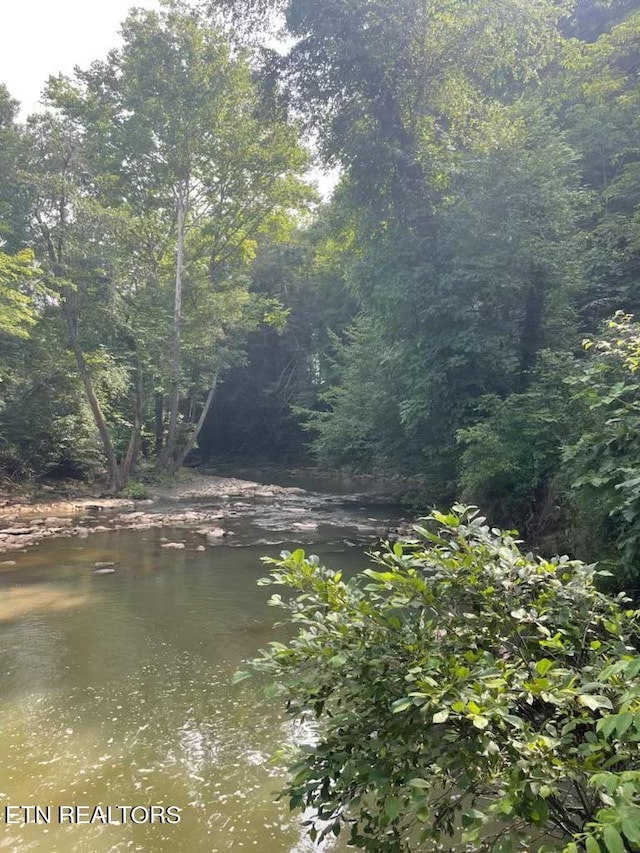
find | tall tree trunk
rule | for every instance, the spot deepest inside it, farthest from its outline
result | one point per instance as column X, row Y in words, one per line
column 174, row 397
column 113, row 470
column 55, row 256
column 193, row 437
column 131, row 456
column 159, row 424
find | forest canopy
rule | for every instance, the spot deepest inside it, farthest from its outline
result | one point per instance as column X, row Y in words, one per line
column 173, row 288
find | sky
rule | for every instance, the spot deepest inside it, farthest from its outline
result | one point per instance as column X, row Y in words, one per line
column 43, row 37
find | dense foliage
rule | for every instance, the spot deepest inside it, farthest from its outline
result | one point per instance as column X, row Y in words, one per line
column 470, row 696
column 143, row 191
column 460, row 309
column 158, row 241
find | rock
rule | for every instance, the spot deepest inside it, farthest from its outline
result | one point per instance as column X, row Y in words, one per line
column 201, row 548
column 145, row 502
column 103, row 565
column 8, row 563
column 18, row 531
column 175, row 545
column 99, row 528
column 82, row 532
column 264, row 493
column 191, row 516
column 305, row 525
column 105, row 572
column 53, row 521
column 214, row 533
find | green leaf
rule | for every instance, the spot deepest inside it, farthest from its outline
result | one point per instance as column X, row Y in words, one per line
column 271, row 690
column 631, row 829
column 240, row 676
column 543, row 666
column 392, row 808
column 594, row 702
column 423, row 814
column 401, row 705
column 480, row 722
column 623, row 723
column 592, row 845
column 540, row 811
column 613, row 840
column 441, row 717
column 607, row 725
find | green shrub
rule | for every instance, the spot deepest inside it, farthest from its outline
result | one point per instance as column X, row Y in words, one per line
column 135, row 490
column 604, row 463
column 511, row 457
column 469, row 697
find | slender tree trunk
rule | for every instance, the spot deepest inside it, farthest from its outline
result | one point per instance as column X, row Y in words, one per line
column 159, row 424
column 193, row 437
column 174, row 397
column 109, row 451
column 131, row 456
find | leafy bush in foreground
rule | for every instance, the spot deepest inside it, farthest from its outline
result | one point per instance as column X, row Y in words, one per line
column 470, row 697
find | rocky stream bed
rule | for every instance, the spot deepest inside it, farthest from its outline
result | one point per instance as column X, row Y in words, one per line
column 214, row 508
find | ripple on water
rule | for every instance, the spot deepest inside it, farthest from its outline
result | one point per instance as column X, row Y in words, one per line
column 116, row 690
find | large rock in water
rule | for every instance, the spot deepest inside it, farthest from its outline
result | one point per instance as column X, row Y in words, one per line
column 176, row 546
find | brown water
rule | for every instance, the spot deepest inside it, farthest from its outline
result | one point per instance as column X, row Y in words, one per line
column 115, row 690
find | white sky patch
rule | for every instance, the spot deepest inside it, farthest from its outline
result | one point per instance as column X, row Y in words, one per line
column 43, row 37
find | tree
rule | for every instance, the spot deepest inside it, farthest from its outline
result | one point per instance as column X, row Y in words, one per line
column 287, row 362
column 444, row 323
column 67, row 226
column 16, row 303
column 461, row 199
column 13, row 212
column 176, row 122
column 470, row 696
column 598, row 99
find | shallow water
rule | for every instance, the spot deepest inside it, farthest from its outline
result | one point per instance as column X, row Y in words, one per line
column 115, row 690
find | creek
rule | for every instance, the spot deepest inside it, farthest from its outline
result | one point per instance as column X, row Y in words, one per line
column 115, row 687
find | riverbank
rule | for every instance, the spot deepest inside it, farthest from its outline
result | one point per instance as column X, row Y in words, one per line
column 201, row 502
